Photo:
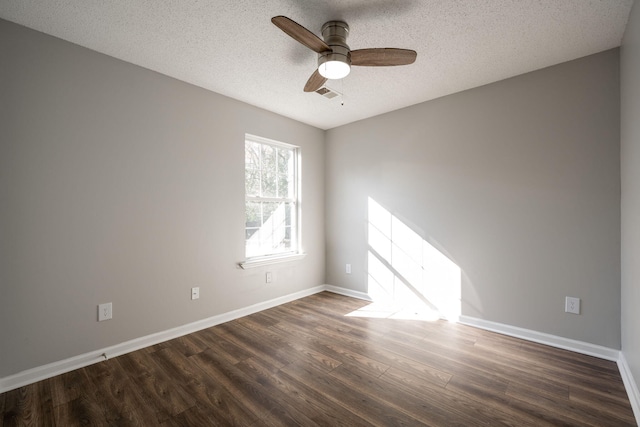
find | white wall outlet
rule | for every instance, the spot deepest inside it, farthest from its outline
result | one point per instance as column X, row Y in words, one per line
column 195, row 293
column 572, row 305
column 348, row 269
column 268, row 277
column 105, row 311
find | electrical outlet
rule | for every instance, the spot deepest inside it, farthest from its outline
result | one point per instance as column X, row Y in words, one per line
column 195, row 293
column 572, row 305
column 105, row 311
column 268, row 277
column 348, row 269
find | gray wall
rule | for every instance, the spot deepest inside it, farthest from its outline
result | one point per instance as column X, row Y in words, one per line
column 120, row 184
column 518, row 182
column 630, row 173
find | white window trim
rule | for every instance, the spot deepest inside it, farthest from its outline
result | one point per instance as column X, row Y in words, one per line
column 298, row 254
column 273, row 259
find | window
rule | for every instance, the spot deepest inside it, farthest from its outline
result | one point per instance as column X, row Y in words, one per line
column 271, row 198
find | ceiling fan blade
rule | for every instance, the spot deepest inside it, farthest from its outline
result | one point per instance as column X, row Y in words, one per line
column 315, row 82
column 300, row 34
column 380, row 57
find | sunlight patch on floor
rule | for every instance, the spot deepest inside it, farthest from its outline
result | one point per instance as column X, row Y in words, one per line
column 380, row 310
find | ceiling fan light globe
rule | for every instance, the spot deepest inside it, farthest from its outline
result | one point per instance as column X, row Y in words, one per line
column 334, row 70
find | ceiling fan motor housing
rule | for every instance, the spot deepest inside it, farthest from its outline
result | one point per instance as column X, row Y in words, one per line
column 335, row 36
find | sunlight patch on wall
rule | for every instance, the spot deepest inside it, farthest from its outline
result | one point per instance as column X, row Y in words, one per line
column 407, row 277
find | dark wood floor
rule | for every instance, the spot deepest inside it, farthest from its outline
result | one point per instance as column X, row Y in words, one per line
column 306, row 363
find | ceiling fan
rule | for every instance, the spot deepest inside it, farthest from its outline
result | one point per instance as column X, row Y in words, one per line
column 335, row 58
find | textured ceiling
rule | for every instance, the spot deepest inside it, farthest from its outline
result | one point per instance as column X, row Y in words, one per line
column 231, row 47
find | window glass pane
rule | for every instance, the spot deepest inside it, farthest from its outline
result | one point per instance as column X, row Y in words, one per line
column 253, row 215
column 254, row 245
column 285, row 160
column 252, row 155
column 273, row 228
column 283, row 187
column 252, row 182
column 272, row 214
column 252, row 168
column 269, row 184
column 287, row 214
column 249, row 232
column 268, row 158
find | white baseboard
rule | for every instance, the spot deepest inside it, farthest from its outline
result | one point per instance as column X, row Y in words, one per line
column 348, row 292
column 630, row 385
column 542, row 338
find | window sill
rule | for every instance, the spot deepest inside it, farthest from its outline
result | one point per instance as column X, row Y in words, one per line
column 259, row 262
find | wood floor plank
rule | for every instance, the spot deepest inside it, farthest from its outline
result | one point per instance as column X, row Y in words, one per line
column 426, row 411
column 217, row 342
column 388, row 358
column 268, row 408
column 119, row 402
column 454, row 405
column 353, row 400
column 256, row 344
column 155, row 387
column 331, row 413
column 339, row 353
column 317, row 361
column 466, row 361
column 559, row 411
column 67, row 387
column 196, row 416
column 190, row 344
column 613, row 407
column 207, row 392
column 79, row 412
column 30, row 405
column 305, row 349
column 493, row 395
column 286, row 395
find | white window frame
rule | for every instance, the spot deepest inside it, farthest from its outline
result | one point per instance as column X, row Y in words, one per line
column 296, row 241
